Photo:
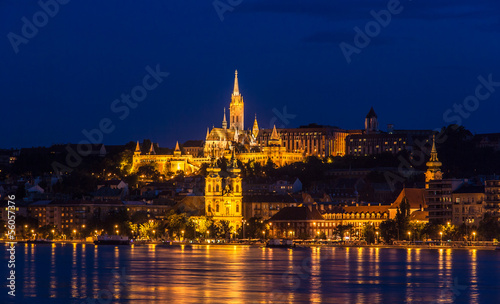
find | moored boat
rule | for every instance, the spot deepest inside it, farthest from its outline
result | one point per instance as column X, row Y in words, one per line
column 112, row 240
column 280, row 243
column 39, row 241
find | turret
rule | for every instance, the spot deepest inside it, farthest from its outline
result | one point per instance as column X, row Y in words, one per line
column 255, row 129
column 224, row 122
column 177, row 151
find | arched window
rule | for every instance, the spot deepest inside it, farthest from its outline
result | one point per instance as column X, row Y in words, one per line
column 217, row 207
column 209, row 209
column 237, row 188
column 209, row 187
column 227, row 210
column 237, row 208
column 217, row 188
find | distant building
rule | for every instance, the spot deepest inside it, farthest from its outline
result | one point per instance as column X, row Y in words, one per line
column 312, row 140
column 438, row 191
column 373, row 141
column 492, row 200
column 314, row 219
column 468, row 205
column 489, row 140
column 267, row 205
column 296, row 222
column 78, row 214
column 193, row 147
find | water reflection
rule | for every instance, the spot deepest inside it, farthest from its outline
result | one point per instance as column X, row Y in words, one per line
column 234, row 274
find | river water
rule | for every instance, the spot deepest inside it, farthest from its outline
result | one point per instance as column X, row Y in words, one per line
column 84, row 273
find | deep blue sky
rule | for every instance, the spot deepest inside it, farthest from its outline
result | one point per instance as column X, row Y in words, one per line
column 286, row 52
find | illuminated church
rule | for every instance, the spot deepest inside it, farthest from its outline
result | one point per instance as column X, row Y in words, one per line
column 223, row 195
column 222, row 142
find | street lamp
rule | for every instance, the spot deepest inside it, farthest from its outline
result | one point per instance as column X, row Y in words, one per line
column 154, row 234
column 74, row 231
column 264, row 234
column 473, row 236
column 376, row 232
column 441, row 233
column 409, row 236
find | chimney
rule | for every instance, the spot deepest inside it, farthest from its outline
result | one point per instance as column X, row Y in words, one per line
column 390, row 128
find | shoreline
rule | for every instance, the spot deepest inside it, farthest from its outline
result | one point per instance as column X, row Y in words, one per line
column 176, row 244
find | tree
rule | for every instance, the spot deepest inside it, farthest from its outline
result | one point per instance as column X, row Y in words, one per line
column 402, row 218
column 369, row 233
column 489, row 228
column 388, row 230
column 254, row 227
column 341, row 230
column 224, row 228
column 176, row 223
column 149, row 172
column 149, row 230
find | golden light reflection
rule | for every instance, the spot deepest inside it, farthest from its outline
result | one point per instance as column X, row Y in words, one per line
column 74, row 276
column 409, row 274
column 314, row 270
column 83, row 267
column 31, row 265
column 473, row 277
column 53, row 280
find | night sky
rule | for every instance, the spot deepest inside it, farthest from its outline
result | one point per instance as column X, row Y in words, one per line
column 65, row 78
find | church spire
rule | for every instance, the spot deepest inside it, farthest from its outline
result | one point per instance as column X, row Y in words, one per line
column 224, row 121
column 255, row 129
column 433, row 165
column 434, row 154
column 208, row 133
column 236, row 90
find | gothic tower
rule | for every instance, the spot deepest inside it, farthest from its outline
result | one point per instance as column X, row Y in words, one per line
column 236, row 108
column 433, row 165
column 371, row 122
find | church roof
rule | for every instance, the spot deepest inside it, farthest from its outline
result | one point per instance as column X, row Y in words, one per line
column 416, row 198
column 193, row 143
column 297, row 214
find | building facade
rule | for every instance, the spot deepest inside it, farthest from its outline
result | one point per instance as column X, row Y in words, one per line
column 311, row 140
column 373, row 141
column 468, row 205
column 492, row 199
column 223, row 195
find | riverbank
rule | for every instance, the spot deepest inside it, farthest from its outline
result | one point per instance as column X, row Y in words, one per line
column 342, row 246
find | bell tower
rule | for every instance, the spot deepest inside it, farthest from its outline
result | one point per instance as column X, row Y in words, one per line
column 236, row 108
column 433, row 165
